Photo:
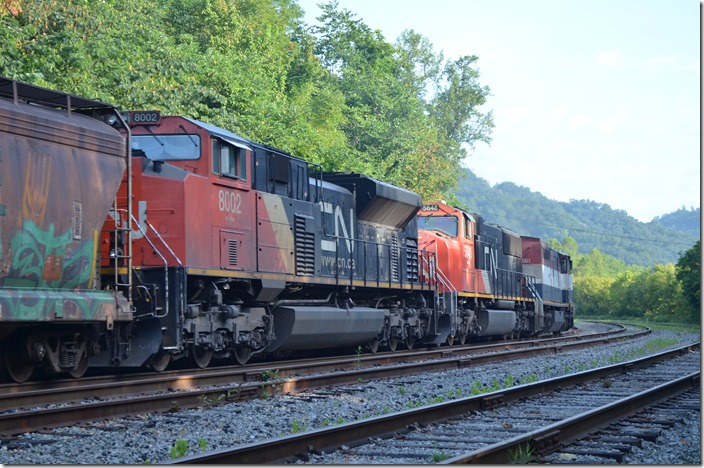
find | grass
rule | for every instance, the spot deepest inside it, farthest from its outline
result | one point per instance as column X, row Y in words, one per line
column 655, row 326
column 522, row 455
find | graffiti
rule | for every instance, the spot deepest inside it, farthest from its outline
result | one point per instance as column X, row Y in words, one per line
column 42, row 266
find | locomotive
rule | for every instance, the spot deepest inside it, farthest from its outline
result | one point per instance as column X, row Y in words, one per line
column 132, row 239
column 507, row 284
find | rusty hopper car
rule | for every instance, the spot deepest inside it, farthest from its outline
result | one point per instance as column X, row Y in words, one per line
column 60, row 166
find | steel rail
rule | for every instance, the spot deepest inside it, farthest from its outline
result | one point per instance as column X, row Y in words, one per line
column 281, row 449
column 550, row 438
column 15, row 396
column 182, row 391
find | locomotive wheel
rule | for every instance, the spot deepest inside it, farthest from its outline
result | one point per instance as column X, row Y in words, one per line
column 242, row 354
column 160, row 361
column 81, row 368
column 393, row 343
column 201, row 357
column 373, row 346
column 410, row 341
column 13, row 363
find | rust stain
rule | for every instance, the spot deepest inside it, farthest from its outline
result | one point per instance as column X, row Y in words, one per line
column 35, row 193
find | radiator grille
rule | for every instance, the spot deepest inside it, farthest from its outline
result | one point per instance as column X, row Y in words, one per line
column 394, row 258
column 412, row 264
column 232, row 252
column 305, row 247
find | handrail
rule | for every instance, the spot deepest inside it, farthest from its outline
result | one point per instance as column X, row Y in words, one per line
column 439, row 275
column 158, row 252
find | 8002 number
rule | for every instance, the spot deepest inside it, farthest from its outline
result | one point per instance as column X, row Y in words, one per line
column 229, row 202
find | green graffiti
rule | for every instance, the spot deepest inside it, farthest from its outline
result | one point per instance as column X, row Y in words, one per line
column 32, row 245
column 28, row 294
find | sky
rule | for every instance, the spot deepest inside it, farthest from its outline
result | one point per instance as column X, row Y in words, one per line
column 592, row 99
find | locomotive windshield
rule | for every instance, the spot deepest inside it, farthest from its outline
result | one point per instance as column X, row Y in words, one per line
column 168, row 147
column 447, row 224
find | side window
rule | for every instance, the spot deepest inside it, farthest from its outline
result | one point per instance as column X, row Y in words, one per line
column 216, row 156
column 229, row 160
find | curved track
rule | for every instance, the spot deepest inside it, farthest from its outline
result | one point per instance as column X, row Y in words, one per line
column 506, row 435
column 92, row 399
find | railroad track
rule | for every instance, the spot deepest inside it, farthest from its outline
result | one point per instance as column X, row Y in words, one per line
column 510, row 425
column 70, row 401
column 616, row 441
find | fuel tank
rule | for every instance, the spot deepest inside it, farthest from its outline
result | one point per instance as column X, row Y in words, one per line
column 318, row 327
column 496, row 322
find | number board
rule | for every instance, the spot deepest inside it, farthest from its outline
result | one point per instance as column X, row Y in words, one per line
column 430, row 207
column 142, row 117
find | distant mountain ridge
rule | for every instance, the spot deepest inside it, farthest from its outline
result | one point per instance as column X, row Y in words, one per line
column 593, row 225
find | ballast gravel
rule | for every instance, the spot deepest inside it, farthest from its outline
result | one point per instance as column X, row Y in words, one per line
column 160, row 438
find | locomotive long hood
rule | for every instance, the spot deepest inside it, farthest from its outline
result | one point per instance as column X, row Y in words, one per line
column 377, row 201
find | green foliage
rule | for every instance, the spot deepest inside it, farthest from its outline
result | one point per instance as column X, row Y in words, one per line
column 179, row 449
column 338, row 95
column 202, row 444
column 657, row 344
column 621, row 239
column 682, row 220
column 396, row 132
column 688, row 273
column 270, row 376
column 439, row 456
column 437, row 399
column 297, row 426
column 522, row 455
column 592, row 295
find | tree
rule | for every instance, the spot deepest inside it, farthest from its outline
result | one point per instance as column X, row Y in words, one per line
column 662, row 297
column 406, row 116
column 688, row 272
column 599, row 264
column 568, row 246
column 592, row 295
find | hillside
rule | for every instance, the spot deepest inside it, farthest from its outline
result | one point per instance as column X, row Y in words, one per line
column 682, row 220
column 593, row 225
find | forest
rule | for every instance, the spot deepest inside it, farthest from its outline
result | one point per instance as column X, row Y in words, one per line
column 593, row 225
column 338, row 95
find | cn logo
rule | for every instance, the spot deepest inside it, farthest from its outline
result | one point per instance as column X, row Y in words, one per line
column 341, row 228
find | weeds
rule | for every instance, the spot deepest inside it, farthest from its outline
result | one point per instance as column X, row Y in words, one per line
column 297, row 427
column 358, row 358
column 508, row 381
column 437, row 399
column 273, row 377
column 179, row 449
column 439, row 456
column 202, row 444
column 523, row 454
column 270, row 375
